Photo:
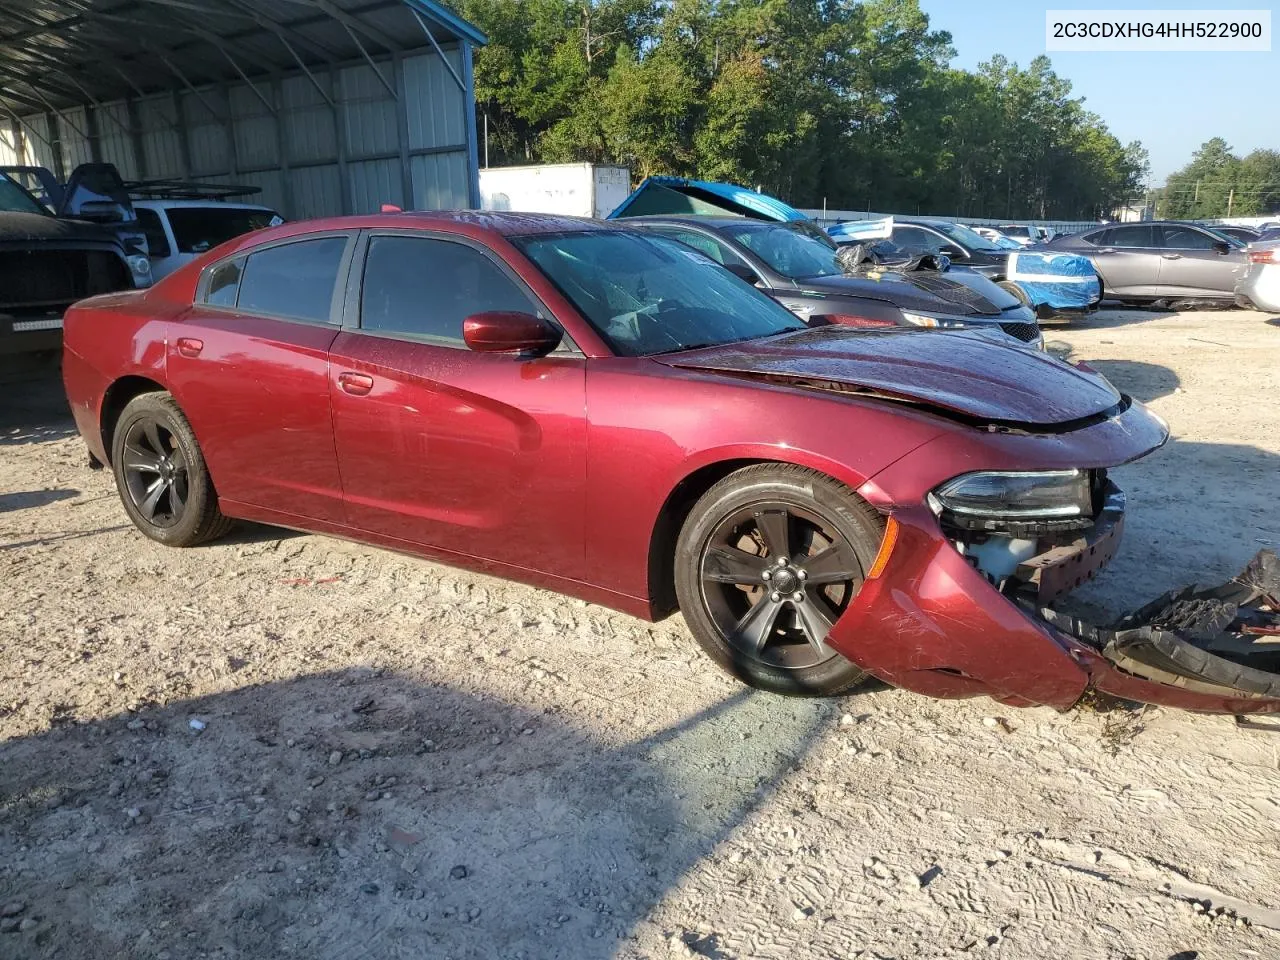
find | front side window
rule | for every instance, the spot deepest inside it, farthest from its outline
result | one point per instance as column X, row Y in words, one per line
column 646, row 295
column 293, row 280
column 422, row 287
column 962, row 235
column 914, row 238
column 792, row 251
column 1189, row 238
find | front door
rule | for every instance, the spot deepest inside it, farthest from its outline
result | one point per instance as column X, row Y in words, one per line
column 482, row 455
column 1127, row 259
column 251, row 363
column 1192, row 263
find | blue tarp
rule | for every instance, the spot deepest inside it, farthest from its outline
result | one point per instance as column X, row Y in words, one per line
column 856, row 230
column 1061, row 281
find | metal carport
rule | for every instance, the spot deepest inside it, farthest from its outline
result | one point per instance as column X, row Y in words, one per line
column 329, row 106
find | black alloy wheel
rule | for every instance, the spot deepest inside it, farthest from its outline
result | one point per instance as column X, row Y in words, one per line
column 161, row 474
column 767, row 562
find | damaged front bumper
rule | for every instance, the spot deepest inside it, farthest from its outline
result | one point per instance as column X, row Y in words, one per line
column 934, row 622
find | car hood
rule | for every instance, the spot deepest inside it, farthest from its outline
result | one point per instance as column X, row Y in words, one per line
column 36, row 227
column 961, row 374
column 931, row 291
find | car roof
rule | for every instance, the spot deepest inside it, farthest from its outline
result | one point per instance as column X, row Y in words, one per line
column 204, row 204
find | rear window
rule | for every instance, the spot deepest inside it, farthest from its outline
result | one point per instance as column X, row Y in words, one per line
column 197, row 229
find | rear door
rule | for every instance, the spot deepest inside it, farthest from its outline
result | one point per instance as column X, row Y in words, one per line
column 1192, row 263
column 482, row 455
column 1127, row 259
column 249, row 365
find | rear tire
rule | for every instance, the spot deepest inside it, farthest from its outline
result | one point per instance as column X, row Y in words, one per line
column 161, row 475
column 768, row 559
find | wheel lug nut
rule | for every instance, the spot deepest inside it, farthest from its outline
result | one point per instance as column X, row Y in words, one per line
column 802, row 575
column 775, row 596
column 767, row 575
column 782, row 561
column 797, row 596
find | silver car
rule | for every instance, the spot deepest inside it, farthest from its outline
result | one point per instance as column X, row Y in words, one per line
column 1143, row 262
column 1259, row 289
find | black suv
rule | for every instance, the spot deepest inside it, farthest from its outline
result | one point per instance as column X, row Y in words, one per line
column 48, row 263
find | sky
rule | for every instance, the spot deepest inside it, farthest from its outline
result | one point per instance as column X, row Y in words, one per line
column 1171, row 102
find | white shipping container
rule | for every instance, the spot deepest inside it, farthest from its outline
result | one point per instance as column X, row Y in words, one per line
column 570, row 189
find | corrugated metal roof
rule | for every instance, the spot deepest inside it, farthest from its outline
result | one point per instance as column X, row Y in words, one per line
column 56, row 54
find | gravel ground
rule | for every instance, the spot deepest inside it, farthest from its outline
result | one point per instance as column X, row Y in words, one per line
column 290, row 746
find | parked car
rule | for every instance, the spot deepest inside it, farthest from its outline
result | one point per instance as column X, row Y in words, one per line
column 1245, row 235
column 1023, row 233
column 964, row 246
column 1145, row 262
column 179, row 230
column 1259, row 288
column 796, row 264
column 46, row 264
column 587, row 408
column 998, row 238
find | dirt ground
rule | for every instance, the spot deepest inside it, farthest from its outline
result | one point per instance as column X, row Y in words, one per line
column 396, row 759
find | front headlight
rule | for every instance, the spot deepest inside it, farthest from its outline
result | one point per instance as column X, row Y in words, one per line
column 1016, row 495
column 140, row 267
column 933, row 321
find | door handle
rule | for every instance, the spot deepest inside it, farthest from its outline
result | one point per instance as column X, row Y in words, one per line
column 1170, row 256
column 1107, row 250
column 190, row 346
column 356, row 384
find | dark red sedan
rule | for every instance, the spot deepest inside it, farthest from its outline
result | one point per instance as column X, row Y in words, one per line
column 605, row 413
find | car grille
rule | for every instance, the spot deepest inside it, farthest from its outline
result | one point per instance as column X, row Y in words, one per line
column 1026, row 332
column 47, row 280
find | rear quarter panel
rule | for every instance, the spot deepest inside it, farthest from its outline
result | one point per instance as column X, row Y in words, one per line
column 104, row 339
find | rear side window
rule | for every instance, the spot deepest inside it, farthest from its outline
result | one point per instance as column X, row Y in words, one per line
column 293, row 280
column 157, row 242
column 1131, row 237
column 422, row 287
column 224, row 284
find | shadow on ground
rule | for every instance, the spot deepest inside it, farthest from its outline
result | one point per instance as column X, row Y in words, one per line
column 34, row 411
column 354, row 814
column 1140, row 380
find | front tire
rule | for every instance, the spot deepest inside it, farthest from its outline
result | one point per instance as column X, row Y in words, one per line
column 161, row 475
column 767, row 561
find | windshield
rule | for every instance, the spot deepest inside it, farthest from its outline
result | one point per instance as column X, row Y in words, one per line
column 793, row 251
column 964, row 236
column 648, row 294
column 14, row 199
column 197, row 229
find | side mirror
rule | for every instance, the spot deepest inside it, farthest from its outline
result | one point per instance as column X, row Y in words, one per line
column 742, row 272
column 952, row 251
column 1222, row 246
column 508, row 331
column 100, row 211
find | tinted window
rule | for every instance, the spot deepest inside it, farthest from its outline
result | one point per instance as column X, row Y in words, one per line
column 1188, row 238
column 17, row 200
column 914, row 238
column 646, row 294
column 1130, row 237
column 157, row 242
column 294, row 280
column 1098, row 237
column 426, row 288
column 197, row 229
column 791, row 250
column 713, row 248
column 224, row 284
